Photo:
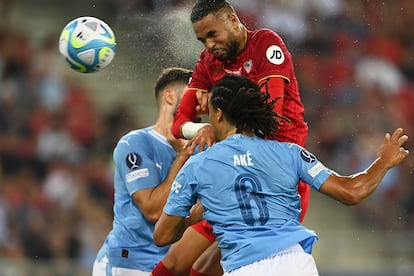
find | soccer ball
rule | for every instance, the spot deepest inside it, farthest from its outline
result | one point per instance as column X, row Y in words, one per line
column 88, row 44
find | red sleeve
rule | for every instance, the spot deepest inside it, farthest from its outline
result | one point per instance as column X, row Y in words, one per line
column 186, row 112
column 275, row 87
column 200, row 80
column 272, row 56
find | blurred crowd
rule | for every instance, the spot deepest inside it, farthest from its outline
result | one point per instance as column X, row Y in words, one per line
column 355, row 67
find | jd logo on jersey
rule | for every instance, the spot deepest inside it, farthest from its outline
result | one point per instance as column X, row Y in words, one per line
column 133, row 160
column 275, row 55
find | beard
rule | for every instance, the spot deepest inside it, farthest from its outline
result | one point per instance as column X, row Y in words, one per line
column 231, row 52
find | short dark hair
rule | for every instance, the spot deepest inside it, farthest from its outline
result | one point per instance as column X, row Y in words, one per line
column 171, row 75
column 202, row 8
column 245, row 106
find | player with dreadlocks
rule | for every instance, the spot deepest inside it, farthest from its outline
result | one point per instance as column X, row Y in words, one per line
column 248, row 186
column 232, row 49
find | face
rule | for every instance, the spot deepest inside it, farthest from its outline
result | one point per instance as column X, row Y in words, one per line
column 219, row 34
column 180, row 91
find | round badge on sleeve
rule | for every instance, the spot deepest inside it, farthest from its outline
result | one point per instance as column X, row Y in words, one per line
column 275, row 55
column 307, row 156
column 133, row 160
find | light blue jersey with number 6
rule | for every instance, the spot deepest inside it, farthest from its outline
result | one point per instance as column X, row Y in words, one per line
column 248, row 187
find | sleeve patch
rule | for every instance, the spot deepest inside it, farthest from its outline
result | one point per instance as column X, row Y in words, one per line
column 316, row 169
column 307, row 156
column 275, row 55
column 133, row 160
column 137, row 174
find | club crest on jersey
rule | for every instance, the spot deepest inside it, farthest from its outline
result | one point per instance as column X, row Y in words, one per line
column 175, row 188
column 248, row 66
column 133, row 160
column 307, row 156
column 275, row 55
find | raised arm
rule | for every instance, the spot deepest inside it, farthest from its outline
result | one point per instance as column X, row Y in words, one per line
column 186, row 112
column 351, row 190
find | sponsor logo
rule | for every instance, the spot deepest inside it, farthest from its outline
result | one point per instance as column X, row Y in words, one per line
column 275, row 55
column 316, row 169
column 137, row 174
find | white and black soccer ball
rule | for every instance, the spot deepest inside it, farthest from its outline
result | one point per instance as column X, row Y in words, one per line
column 88, row 44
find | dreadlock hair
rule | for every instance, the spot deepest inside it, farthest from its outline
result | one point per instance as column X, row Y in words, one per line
column 245, row 106
column 171, row 75
column 202, row 8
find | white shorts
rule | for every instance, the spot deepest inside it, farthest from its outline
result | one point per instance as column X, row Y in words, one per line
column 292, row 261
column 103, row 268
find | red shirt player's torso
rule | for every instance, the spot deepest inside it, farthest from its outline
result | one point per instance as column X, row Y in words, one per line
column 265, row 56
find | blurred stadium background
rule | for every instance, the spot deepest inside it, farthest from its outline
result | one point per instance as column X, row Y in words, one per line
column 355, row 66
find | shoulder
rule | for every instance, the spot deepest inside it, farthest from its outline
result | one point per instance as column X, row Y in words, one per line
column 265, row 35
column 135, row 140
column 197, row 158
column 132, row 137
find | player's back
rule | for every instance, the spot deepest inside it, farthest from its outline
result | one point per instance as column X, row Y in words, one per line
column 248, row 187
column 251, row 168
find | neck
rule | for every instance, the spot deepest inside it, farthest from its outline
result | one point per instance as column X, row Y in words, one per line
column 163, row 122
column 243, row 39
column 231, row 130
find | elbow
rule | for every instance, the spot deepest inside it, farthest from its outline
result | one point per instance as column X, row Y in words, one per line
column 153, row 217
column 159, row 240
column 151, row 213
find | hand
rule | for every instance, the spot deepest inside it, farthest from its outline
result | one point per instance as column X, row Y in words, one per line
column 391, row 150
column 202, row 98
column 204, row 137
column 178, row 144
column 196, row 213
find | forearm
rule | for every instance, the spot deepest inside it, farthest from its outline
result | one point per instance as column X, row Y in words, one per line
column 351, row 190
column 161, row 192
column 152, row 202
column 186, row 112
column 168, row 229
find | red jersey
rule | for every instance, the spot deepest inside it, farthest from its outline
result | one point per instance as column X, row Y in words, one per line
column 265, row 56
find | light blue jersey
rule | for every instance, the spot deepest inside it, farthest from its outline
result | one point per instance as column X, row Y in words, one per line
column 142, row 160
column 248, row 187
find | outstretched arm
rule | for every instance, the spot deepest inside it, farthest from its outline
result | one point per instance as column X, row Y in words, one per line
column 352, row 189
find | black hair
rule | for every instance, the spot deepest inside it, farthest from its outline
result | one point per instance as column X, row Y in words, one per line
column 202, row 8
column 171, row 75
column 245, row 106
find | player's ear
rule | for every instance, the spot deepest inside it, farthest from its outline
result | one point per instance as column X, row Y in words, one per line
column 219, row 114
column 169, row 96
column 233, row 19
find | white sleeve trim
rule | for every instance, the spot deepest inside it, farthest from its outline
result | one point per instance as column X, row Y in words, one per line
column 189, row 129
